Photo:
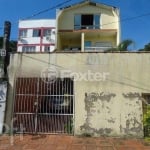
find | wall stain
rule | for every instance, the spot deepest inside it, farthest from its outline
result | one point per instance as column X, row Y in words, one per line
column 131, row 95
column 112, row 120
column 132, row 125
column 90, row 100
column 100, row 96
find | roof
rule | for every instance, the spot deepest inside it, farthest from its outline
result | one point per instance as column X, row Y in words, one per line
column 85, row 2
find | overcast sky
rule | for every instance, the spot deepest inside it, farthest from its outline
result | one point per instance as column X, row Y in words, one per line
column 137, row 29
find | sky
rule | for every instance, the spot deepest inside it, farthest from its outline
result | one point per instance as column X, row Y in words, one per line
column 134, row 15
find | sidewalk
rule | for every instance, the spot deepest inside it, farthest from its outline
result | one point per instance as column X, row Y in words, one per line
column 62, row 142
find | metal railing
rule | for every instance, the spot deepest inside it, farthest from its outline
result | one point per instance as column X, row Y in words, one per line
column 77, row 27
column 44, row 107
column 96, row 48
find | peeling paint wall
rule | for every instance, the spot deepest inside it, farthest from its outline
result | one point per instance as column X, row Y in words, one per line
column 108, row 107
column 131, row 115
column 103, row 119
column 98, row 110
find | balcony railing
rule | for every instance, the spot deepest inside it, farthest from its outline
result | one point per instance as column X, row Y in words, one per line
column 96, row 48
column 77, row 27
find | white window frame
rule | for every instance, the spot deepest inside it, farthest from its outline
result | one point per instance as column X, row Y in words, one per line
column 23, row 33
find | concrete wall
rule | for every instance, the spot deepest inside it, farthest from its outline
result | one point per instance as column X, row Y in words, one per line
column 108, row 87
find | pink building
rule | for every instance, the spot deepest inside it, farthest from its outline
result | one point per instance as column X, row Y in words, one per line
column 36, row 35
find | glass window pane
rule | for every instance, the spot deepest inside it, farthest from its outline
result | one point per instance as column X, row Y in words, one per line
column 23, row 33
column 28, row 49
column 87, row 43
column 97, row 21
column 47, row 32
column 36, row 32
column 77, row 21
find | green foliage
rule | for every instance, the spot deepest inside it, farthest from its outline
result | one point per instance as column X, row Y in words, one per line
column 123, row 46
column 146, row 121
column 146, row 47
column 146, row 118
column 69, row 126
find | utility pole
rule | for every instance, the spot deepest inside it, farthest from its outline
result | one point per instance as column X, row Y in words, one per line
column 5, row 50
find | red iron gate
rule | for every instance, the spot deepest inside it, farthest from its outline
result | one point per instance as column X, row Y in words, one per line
column 41, row 106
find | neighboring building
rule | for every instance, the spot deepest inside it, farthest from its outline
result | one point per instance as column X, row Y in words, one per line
column 88, row 26
column 36, row 35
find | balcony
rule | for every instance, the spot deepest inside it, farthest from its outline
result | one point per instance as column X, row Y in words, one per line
column 97, row 48
column 76, row 27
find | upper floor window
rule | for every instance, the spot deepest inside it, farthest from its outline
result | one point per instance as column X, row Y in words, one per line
column 28, row 49
column 23, row 33
column 47, row 32
column 87, row 21
column 36, row 32
column 47, row 48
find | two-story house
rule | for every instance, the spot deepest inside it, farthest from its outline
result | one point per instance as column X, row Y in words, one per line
column 87, row 26
column 36, row 35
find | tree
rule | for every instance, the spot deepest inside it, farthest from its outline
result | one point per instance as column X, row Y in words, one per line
column 123, row 46
column 146, row 47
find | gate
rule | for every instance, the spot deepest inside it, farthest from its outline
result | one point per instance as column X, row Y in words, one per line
column 41, row 106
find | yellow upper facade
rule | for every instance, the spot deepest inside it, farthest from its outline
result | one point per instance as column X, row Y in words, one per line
column 87, row 26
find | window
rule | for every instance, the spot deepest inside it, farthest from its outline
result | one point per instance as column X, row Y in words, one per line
column 97, row 21
column 36, row 32
column 28, row 49
column 23, row 33
column 47, row 32
column 87, row 21
column 47, row 49
column 87, row 43
column 77, row 22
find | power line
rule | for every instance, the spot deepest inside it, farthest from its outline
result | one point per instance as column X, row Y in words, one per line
column 60, row 4
column 44, row 61
column 40, row 12
column 46, row 10
column 128, row 19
